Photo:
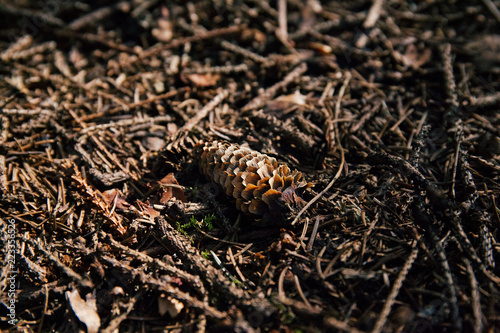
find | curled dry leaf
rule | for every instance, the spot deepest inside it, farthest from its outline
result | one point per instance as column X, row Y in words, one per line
column 286, row 101
column 295, row 98
column 86, row 311
column 170, row 305
column 286, row 241
column 152, row 213
column 146, row 209
column 203, row 80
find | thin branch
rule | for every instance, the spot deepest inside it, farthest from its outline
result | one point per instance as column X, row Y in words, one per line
column 476, row 299
column 493, row 9
column 395, row 291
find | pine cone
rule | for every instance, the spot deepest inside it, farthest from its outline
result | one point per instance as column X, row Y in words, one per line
column 259, row 184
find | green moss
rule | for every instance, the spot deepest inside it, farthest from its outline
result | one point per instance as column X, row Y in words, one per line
column 206, row 222
column 206, row 254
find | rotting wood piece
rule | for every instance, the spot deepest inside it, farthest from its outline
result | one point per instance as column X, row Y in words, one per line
column 260, row 185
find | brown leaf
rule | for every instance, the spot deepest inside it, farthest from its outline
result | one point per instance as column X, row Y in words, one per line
column 286, row 101
column 168, row 191
column 153, row 143
column 110, row 196
column 170, row 305
column 86, row 311
column 203, row 80
column 153, row 213
column 295, row 98
column 414, row 58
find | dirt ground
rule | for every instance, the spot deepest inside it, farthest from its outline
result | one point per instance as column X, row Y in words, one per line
column 390, row 109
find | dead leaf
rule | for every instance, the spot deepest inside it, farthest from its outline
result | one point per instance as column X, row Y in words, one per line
column 153, row 143
column 203, row 80
column 295, row 98
column 165, row 30
column 86, row 311
column 170, row 305
column 412, row 57
column 172, row 128
column 286, row 101
column 110, row 196
column 168, row 191
column 153, row 213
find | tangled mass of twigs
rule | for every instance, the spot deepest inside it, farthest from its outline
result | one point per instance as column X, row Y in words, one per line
column 146, row 147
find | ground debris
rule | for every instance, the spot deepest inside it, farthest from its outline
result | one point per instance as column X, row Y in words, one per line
column 390, row 109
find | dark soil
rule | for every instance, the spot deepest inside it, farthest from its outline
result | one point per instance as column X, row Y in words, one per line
column 389, row 108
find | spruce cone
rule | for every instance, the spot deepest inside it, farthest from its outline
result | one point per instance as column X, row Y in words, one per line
column 259, row 184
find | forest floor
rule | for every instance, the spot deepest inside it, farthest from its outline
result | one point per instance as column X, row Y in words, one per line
column 389, row 108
